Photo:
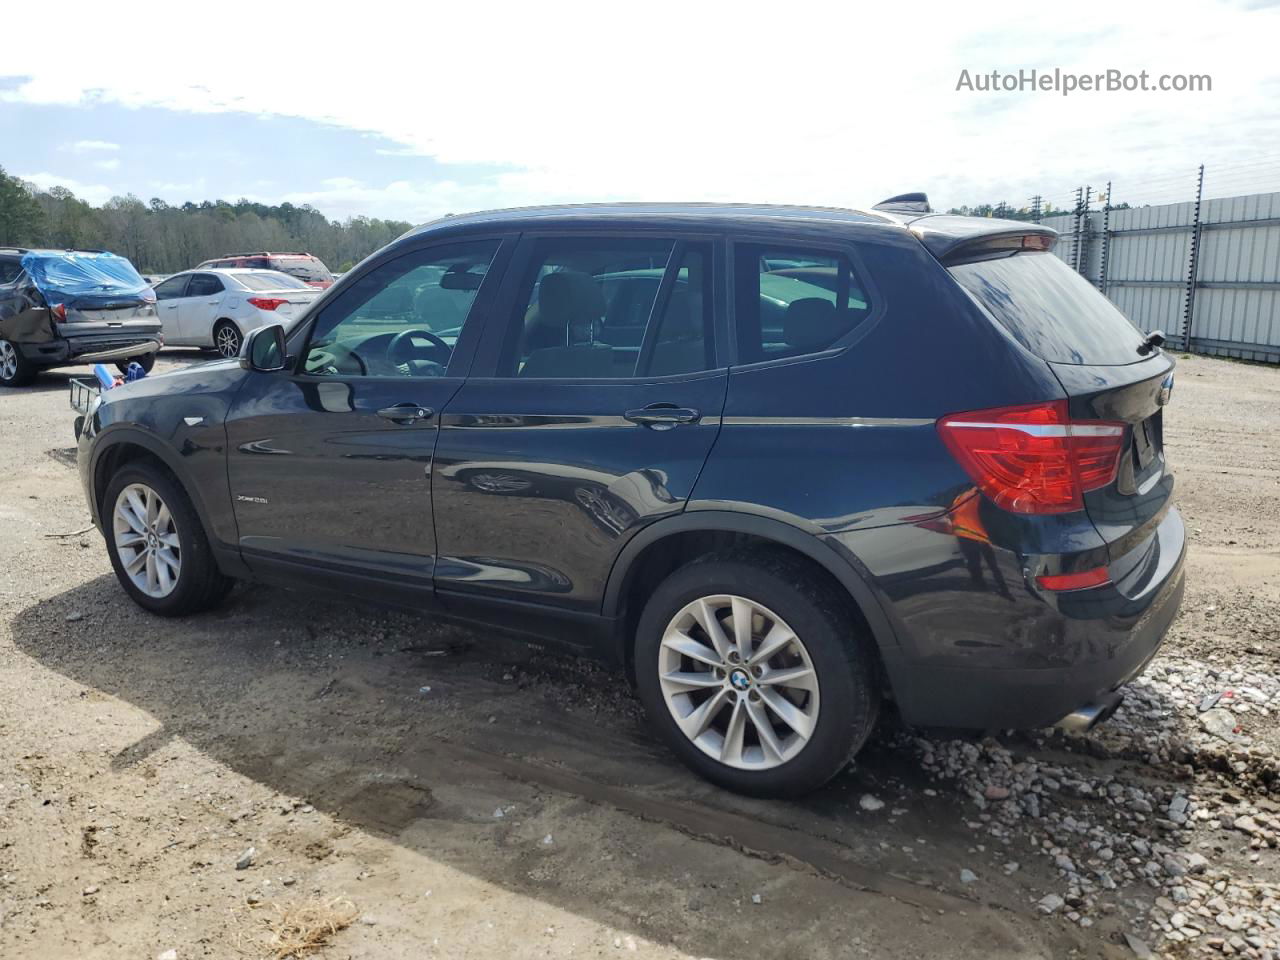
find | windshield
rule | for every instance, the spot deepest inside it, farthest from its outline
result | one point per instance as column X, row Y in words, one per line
column 270, row 280
column 1051, row 310
column 305, row 268
column 74, row 276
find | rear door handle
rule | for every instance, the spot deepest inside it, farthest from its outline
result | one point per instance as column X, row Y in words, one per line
column 662, row 417
column 406, row 413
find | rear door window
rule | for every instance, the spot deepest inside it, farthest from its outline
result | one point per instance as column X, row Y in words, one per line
column 612, row 308
column 173, row 288
column 789, row 302
column 204, row 285
column 1051, row 310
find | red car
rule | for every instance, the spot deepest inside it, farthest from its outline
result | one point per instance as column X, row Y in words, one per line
column 307, row 268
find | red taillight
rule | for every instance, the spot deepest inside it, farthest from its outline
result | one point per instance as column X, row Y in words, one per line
column 1034, row 458
column 267, row 303
column 1075, row 581
column 59, row 311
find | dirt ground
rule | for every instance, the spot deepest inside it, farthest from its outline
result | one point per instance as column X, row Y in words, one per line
column 472, row 797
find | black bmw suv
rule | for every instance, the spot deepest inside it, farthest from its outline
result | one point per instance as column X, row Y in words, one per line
column 779, row 464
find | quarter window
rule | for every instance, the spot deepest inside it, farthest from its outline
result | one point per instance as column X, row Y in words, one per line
column 604, row 308
column 402, row 319
column 790, row 301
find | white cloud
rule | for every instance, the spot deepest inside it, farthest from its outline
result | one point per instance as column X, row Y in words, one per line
column 835, row 103
column 95, row 193
column 112, row 164
column 91, row 146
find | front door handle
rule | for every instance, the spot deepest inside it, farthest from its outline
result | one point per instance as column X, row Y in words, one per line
column 662, row 416
column 406, row 413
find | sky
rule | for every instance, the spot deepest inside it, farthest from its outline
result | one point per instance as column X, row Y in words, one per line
column 409, row 111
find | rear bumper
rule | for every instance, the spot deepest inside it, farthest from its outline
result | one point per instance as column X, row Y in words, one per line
column 91, row 349
column 1021, row 662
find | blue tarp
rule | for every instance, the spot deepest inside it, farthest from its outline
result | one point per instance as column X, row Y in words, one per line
column 72, row 277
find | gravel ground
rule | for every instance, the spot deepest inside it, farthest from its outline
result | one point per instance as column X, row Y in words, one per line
column 167, row 788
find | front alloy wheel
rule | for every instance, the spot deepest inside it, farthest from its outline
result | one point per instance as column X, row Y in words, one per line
column 15, row 370
column 146, row 539
column 8, row 360
column 738, row 682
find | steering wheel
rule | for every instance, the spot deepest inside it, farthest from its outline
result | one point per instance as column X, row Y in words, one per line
column 321, row 361
column 397, row 344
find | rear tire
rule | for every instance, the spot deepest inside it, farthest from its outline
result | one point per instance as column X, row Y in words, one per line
column 227, row 339
column 157, row 544
column 15, row 369
column 780, row 737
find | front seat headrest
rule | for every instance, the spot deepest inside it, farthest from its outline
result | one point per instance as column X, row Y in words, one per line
column 812, row 323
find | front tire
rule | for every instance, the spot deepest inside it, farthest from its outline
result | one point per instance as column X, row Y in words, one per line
column 157, row 545
column 15, row 369
column 757, row 677
column 227, row 339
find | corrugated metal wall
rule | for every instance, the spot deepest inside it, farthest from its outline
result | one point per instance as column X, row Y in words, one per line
column 1142, row 261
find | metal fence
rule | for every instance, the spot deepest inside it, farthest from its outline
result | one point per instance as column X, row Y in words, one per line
column 1206, row 272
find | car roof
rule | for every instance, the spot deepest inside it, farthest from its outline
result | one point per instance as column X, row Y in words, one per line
column 939, row 232
column 231, row 270
column 708, row 213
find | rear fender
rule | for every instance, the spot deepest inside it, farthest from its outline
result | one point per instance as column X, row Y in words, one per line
column 816, row 548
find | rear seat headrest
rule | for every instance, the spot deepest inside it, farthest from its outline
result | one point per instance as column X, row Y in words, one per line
column 812, row 323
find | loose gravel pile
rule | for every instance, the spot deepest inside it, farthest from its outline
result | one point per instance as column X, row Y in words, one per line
column 1166, row 815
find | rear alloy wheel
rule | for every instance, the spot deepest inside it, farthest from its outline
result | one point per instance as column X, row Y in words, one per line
column 756, row 676
column 15, row 369
column 227, row 339
column 157, row 544
column 738, row 682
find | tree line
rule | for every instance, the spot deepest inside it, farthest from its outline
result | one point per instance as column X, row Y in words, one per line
column 1005, row 212
column 159, row 238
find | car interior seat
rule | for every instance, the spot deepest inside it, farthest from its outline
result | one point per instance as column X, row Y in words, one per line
column 560, row 330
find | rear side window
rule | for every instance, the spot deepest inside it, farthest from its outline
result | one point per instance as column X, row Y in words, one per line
column 601, row 308
column 9, row 270
column 204, row 285
column 793, row 301
column 173, row 288
column 1051, row 310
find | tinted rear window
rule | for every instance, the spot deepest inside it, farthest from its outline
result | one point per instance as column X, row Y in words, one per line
column 270, row 281
column 306, row 268
column 1051, row 310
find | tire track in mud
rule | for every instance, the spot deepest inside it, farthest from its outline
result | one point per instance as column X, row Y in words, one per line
column 748, row 836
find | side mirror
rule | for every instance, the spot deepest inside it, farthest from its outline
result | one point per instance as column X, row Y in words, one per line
column 264, row 349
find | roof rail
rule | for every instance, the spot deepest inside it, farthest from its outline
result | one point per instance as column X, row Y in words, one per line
column 260, row 253
column 16, row 249
column 906, row 203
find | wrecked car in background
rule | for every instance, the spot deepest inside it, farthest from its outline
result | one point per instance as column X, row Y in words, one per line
column 65, row 307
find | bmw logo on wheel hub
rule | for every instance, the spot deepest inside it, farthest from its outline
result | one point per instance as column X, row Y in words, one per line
column 740, row 679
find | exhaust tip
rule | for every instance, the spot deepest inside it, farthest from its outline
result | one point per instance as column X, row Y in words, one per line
column 1083, row 719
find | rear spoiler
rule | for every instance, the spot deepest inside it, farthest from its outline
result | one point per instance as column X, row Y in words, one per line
column 954, row 239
